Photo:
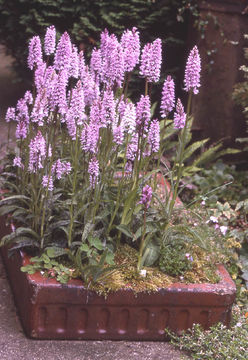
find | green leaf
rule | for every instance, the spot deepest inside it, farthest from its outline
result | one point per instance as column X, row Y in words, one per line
column 22, row 243
column 55, row 251
column 45, row 258
column 128, row 207
column 151, row 227
column 88, row 228
column 125, row 230
column 20, row 211
column 96, row 242
column 192, row 148
column 29, row 269
column 13, row 198
column 206, row 155
column 110, row 258
column 18, row 234
column 7, row 209
column 84, row 247
column 58, row 224
column 151, row 254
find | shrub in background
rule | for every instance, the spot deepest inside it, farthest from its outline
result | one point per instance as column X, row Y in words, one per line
column 84, row 19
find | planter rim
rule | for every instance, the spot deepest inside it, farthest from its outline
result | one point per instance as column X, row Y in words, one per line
column 225, row 284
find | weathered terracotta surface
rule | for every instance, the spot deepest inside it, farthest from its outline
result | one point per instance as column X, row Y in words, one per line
column 49, row 310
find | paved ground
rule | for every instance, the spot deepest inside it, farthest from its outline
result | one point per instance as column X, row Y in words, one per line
column 13, row 343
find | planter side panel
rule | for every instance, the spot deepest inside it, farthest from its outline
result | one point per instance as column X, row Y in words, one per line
column 63, row 321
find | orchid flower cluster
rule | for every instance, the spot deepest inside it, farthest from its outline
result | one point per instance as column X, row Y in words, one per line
column 78, row 130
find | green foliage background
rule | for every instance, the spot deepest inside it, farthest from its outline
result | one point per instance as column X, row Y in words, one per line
column 85, row 19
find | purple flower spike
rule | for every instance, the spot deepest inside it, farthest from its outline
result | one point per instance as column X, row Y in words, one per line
column 96, row 63
column 132, row 148
column 59, row 93
column 95, row 112
column 59, row 168
column 104, row 42
column 81, row 61
column 22, row 111
column 192, row 71
column 50, row 40
column 93, row 171
column 122, row 106
column 75, row 115
column 154, row 136
column 151, row 60
column 90, row 87
column 179, row 116
column 40, row 109
column 168, row 97
column 112, row 70
column 62, row 59
column 90, row 137
column 10, row 114
column 21, row 130
column 146, row 196
column 118, row 135
column 28, row 97
column 129, row 118
column 130, row 43
column 108, row 109
column 46, row 183
column 74, row 65
column 17, row 162
column 35, row 53
column 37, row 152
column 39, row 75
column 143, row 115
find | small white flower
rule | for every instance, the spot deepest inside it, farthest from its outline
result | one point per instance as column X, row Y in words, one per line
column 213, row 219
column 223, row 229
column 143, row 273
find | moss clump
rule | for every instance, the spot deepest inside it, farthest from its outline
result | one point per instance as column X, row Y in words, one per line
column 127, row 277
column 203, row 269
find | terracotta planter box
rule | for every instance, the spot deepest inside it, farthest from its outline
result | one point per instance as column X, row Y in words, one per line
column 49, row 310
